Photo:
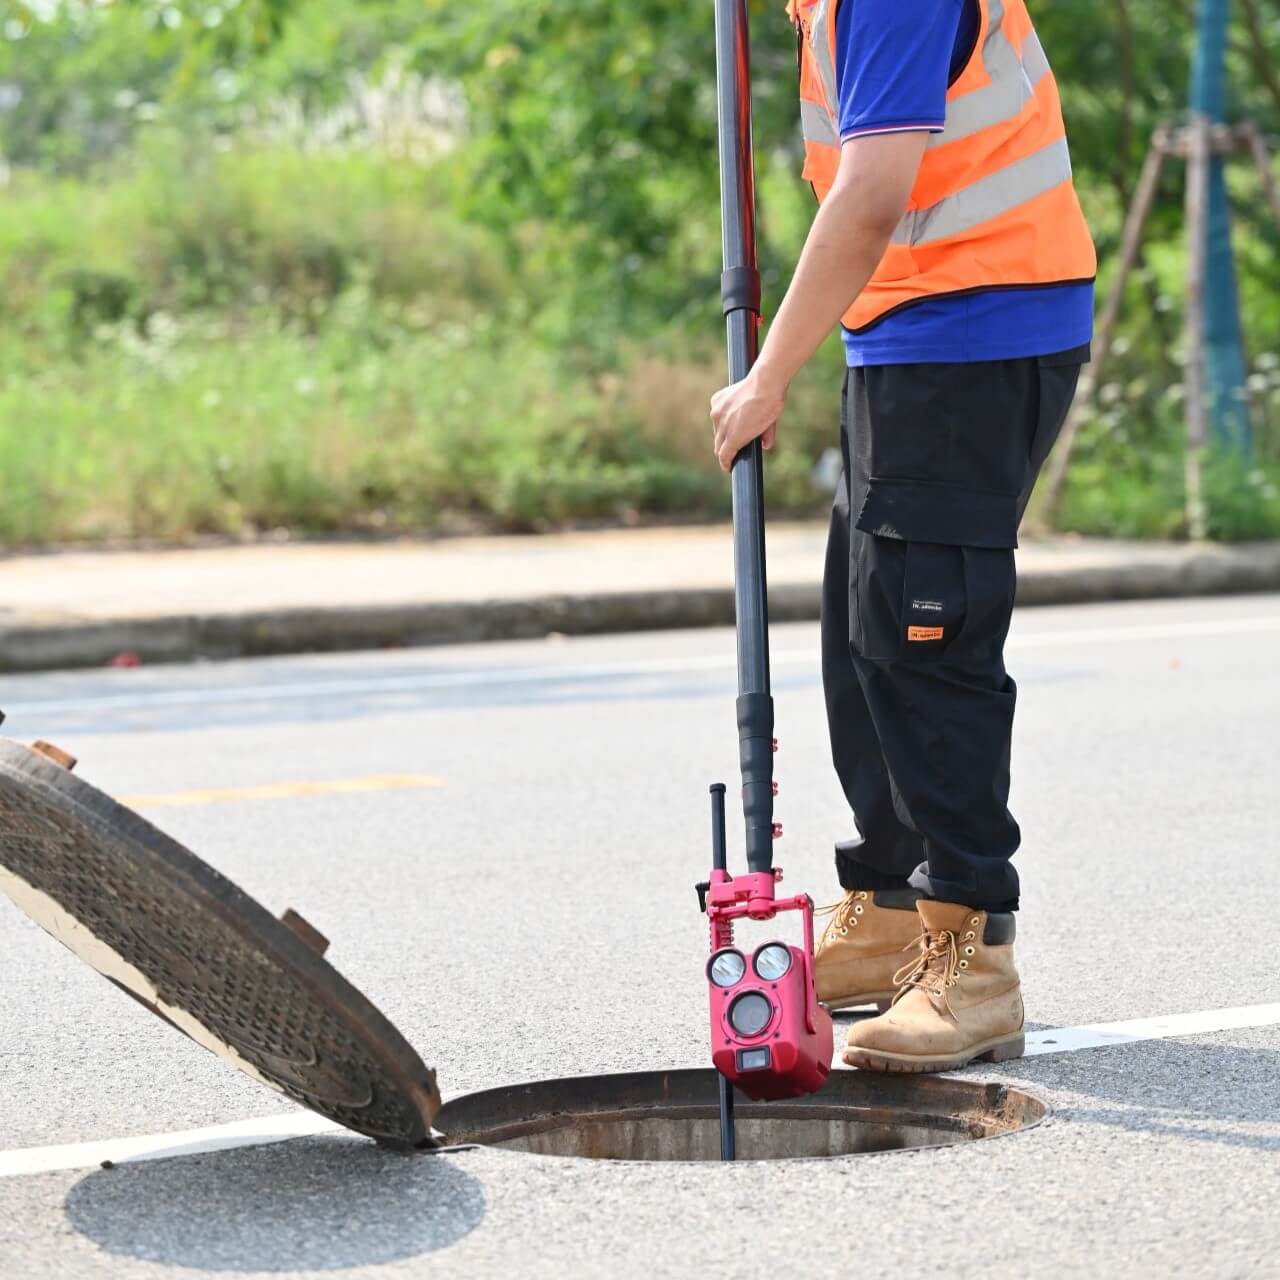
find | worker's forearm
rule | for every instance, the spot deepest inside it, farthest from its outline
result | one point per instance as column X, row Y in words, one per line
column 840, row 254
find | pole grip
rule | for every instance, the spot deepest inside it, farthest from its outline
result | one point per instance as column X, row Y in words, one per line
column 740, row 290
column 755, row 755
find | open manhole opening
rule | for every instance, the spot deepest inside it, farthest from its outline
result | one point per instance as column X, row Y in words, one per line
column 673, row 1115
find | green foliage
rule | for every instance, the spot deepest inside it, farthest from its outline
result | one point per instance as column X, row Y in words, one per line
column 1124, row 69
column 81, row 85
column 232, row 341
column 200, row 428
column 188, row 226
column 592, row 146
column 230, row 308
column 1129, row 479
column 78, row 89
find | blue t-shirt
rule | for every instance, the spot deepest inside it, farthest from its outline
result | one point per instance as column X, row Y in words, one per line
column 894, row 64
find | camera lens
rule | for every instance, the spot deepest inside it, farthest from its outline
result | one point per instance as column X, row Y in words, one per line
column 750, row 1013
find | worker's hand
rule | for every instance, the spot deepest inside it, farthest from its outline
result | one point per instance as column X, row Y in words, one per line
column 742, row 412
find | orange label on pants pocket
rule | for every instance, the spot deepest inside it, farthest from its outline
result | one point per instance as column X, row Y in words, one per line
column 925, row 633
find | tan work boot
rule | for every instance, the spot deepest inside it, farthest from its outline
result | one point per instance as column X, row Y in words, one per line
column 861, row 948
column 959, row 1000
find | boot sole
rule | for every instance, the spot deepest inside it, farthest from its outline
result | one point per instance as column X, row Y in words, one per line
column 881, row 999
column 1001, row 1049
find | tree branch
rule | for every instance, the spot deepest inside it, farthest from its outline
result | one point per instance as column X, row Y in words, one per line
column 1128, row 80
column 1257, row 52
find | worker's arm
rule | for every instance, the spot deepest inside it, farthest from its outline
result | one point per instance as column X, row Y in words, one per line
column 844, row 246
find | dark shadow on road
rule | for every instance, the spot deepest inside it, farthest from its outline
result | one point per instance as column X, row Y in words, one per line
column 1221, row 1094
column 324, row 1204
column 847, row 1017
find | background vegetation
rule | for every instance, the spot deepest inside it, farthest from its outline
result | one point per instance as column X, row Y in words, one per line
column 361, row 265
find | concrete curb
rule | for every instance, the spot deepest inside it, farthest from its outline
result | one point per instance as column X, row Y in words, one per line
column 40, row 646
column 1190, row 571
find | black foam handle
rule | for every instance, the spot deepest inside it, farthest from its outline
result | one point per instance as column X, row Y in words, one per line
column 755, row 755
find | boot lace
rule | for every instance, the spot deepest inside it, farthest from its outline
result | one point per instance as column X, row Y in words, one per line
column 844, row 915
column 934, row 971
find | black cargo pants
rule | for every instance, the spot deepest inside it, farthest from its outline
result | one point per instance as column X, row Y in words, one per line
column 939, row 462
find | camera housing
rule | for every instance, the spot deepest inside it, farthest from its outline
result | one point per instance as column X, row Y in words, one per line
column 769, row 1036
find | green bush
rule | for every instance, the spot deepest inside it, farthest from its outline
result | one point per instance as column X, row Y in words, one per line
column 220, row 311
column 229, row 339
column 1128, row 480
column 185, row 226
column 200, row 429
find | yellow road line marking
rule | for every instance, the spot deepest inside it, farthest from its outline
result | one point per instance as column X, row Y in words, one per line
column 282, row 790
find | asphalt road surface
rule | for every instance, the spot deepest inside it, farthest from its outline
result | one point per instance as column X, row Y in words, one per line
column 521, row 907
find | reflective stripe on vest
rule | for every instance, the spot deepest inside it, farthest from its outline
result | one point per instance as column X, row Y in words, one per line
column 1013, row 84
column 988, row 197
column 824, row 20
column 816, row 122
column 974, row 217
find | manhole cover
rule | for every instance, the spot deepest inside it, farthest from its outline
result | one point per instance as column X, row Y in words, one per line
column 673, row 1115
column 150, row 916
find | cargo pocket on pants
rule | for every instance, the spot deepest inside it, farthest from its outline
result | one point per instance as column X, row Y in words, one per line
column 908, row 599
column 930, row 562
column 934, row 600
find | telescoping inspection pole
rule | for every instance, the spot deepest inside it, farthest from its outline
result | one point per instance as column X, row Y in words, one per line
column 740, row 292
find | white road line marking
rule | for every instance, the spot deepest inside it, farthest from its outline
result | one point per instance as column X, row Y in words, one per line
column 305, row 1124
column 1102, row 1034
column 1149, row 631
column 145, row 700
column 218, row 1137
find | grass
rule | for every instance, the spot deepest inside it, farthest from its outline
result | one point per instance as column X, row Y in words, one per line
column 226, row 342
column 366, row 425
column 187, row 228
column 212, row 341
column 204, row 430
column 1129, row 481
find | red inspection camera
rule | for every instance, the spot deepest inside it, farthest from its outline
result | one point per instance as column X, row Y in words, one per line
column 769, row 1036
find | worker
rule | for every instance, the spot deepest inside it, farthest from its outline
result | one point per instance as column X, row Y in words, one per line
column 950, row 242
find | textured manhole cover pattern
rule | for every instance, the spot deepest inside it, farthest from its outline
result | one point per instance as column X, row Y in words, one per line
column 673, row 1115
column 153, row 918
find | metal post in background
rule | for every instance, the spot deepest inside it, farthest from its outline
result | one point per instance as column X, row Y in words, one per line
column 1197, row 412
column 1224, row 373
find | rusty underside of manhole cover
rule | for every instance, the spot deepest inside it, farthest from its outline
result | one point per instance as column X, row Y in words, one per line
column 673, row 1115
column 186, row 942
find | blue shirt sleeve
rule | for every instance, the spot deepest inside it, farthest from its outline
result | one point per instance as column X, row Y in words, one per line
column 893, row 64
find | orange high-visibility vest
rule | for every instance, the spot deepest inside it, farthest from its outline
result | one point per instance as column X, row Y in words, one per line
column 994, row 205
